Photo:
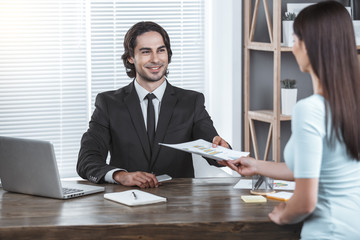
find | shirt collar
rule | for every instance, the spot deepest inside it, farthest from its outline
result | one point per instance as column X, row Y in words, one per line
column 142, row 92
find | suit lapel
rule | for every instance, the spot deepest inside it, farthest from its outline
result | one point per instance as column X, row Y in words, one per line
column 167, row 107
column 133, row 104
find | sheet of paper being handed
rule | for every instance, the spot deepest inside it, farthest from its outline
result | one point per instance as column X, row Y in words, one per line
column 206, row 149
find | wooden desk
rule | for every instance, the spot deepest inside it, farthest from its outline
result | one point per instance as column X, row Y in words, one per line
column 196, row 209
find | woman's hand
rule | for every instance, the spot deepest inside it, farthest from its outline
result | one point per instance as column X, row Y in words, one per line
column 277, row 212
column 245, row 166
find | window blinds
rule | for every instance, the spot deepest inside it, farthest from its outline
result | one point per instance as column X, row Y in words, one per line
column 42, row 74
column 56, row 55
column 184, row 22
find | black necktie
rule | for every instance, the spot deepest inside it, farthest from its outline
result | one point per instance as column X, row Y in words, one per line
column 150, row 118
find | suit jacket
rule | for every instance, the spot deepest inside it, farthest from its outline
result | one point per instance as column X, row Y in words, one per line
column 117, row 126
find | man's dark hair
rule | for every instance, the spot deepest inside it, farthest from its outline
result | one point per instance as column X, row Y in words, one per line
column 130, row 43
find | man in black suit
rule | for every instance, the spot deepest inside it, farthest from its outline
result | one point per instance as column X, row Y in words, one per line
column 124, row 121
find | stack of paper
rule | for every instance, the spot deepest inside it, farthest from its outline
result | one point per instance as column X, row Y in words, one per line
column 134, row 198
column 253, row 199
column 278, row 184
column 283, row 196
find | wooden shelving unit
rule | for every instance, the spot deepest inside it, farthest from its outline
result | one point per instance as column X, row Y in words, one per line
column 274, row 116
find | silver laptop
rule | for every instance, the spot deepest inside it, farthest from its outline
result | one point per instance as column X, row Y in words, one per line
column 29, row 166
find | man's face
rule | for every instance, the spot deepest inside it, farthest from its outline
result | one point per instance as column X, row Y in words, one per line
column 150, row 57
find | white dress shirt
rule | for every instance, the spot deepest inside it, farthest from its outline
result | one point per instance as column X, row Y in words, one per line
column 142, row 92
column 159, row 93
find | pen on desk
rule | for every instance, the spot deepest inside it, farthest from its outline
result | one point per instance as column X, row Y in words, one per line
column 134, row 195
column 269, row 183
column 259, row 182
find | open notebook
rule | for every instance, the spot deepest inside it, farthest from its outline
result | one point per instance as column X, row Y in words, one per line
column 29, row 166
column 134, row 197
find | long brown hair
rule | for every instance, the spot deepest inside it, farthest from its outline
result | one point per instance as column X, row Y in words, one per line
column 327, row 31
column 130, row 43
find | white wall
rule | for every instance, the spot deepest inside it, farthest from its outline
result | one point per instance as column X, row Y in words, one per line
column 224, row 75
column 224, row 67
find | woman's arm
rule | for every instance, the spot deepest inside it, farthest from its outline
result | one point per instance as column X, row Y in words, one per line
column 300, row 205
column 275, row 170
column 248, row 166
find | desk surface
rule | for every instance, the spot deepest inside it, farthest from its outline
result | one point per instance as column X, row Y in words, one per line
column 195, row 209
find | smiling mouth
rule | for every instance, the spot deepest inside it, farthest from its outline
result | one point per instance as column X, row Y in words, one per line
column 155, row 68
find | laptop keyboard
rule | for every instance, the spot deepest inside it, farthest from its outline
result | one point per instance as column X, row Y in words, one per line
column 70, row 190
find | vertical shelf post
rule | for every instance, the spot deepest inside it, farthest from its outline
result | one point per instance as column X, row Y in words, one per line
column 247, row 22
column 276, row 79
column 272, row 117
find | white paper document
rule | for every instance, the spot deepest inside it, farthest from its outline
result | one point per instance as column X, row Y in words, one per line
column 205, row 149
column 278, row 184
column 134, row 197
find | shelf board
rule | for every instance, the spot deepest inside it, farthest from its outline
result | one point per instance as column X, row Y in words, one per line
column 286, row 49
column 263, row 46
column 266, row 116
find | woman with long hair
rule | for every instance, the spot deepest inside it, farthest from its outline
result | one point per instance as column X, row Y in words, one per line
column 322, row 155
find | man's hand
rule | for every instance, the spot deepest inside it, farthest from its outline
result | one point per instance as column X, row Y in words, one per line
column 140, row 179
column 217, row 140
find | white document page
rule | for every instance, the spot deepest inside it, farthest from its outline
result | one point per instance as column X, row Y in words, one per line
column 278, row 184
column 205, row 149
column 134, row 197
